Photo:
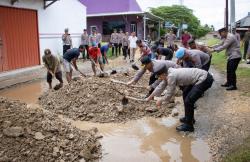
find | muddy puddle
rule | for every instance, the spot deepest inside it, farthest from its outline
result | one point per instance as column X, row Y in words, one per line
column 144, row 140
column 26, row 92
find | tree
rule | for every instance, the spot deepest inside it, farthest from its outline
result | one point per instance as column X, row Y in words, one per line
column 212, row 28
column 178, row 15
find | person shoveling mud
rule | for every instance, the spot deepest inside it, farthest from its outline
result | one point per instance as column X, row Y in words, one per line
column 31, row 134
column 95, row 57
column 69, row 58
column 52, row 64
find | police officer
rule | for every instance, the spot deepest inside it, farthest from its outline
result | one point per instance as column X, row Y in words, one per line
column 151, row 66
column 198, row 82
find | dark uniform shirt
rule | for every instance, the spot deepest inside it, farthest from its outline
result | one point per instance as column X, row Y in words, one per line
column 71, row 53
column 168, row 53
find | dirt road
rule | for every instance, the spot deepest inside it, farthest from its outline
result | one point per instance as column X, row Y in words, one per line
column 222, row 118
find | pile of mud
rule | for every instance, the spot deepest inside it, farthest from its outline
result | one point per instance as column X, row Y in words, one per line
column 28, row 134
column 99, row 100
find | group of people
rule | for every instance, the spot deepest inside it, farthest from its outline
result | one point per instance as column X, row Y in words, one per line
column 125, row 42
column 189, row 72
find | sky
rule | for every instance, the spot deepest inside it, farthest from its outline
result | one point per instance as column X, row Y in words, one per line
column 209, row 12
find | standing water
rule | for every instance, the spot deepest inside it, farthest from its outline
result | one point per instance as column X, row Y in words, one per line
column 144, row 140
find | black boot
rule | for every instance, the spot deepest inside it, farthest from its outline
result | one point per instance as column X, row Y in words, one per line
column 225, row 85
column 185, row 127
column 184, row 120
column 230, row 88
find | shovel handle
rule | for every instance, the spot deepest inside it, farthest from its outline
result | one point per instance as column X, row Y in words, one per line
column 79, row 71
column 82, row 73
column 121, row 82
column 135, row 99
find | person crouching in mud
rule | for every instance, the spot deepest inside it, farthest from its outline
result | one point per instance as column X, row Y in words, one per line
column 196, row 82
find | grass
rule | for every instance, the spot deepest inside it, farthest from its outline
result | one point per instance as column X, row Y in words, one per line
column 240, row 153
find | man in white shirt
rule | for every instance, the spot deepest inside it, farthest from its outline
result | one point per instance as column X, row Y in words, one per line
column 132, row 46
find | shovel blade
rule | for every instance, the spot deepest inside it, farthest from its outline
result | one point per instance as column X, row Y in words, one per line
column 57, row 87
column 124, row 101
column 135, row 67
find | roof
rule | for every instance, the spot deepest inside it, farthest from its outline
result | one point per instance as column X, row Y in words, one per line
column 147, row 14
column 118, row 7
column 102, row 7
column 152, row 16
column 244, row 22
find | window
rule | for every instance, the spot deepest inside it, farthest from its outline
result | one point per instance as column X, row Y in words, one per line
column 93, row 28
column 108, row 27
column 132, row 28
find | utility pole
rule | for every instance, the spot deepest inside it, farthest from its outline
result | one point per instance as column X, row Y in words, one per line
column 226, row 15
column 232, row 14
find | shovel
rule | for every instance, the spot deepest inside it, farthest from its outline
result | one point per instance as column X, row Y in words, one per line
column 102, row 73
column 57, row 87
column 124, row 83
column 82, row 73
column 79, row 71
column 124, row 100
column 134, row 66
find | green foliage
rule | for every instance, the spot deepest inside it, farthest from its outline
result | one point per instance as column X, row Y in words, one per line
column 177, row 15
column 162, row 32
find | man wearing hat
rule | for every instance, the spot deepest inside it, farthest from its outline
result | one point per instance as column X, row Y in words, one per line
column 198, row 82
column 96, row 57
column 233, row 53
column 151, row 66
column 52, row 64
column 67, row 41
column 193, row 58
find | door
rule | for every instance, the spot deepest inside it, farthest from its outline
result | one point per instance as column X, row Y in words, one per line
column 1, row 54
column 18, row 38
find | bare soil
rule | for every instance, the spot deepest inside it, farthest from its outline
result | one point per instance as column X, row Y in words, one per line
column 31, row 134
column 222, row 118
column 99, row 100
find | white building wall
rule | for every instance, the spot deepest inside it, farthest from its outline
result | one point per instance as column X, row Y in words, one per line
column 53, row 20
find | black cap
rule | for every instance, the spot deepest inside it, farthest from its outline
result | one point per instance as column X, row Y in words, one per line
column 81, row 47
column 222, row 30
column 138, row 41
column 161, row 70
column 154, row 48
column 146, row 60
column 191, row 41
